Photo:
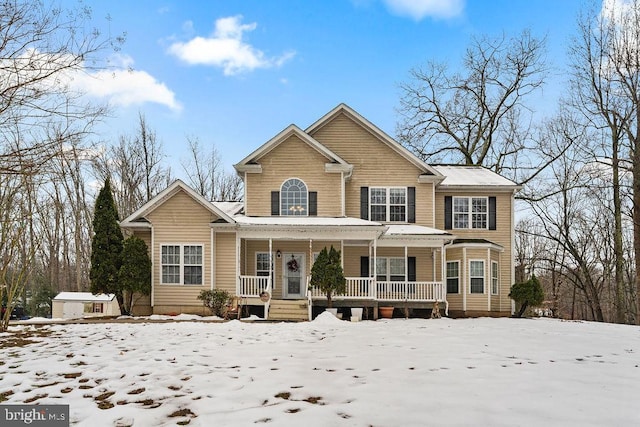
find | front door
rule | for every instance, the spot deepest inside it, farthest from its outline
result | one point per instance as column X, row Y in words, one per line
column 294, row 278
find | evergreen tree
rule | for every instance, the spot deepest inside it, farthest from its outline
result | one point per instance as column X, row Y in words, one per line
column 327, row 274
column 106, row 246
column 135, row 273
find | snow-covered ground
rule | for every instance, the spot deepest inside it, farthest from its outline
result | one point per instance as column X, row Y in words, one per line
column 481, row 372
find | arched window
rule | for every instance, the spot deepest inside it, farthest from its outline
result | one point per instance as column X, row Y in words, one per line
column 293, row 198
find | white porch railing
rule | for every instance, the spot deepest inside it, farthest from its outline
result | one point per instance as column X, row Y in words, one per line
column 253, row 286
column 368, row 288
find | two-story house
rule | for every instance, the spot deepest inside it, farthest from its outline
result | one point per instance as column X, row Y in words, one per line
column 410, row 233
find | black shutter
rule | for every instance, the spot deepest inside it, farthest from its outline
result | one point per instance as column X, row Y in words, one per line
column 448, row 212
column 313, row 203
column 275, row 203
column 411, row 204
column 411, row 267
column 364, row 202
column 492, row 213
column 364, row 266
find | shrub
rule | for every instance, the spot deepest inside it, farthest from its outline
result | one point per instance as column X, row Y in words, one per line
column 327, row 274
column 527, row 294
column 216, row 300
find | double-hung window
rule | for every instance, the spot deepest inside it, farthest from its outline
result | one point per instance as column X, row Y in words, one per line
column 388, row 204
column 453, row 277
column 182, row 264
column 263, row 262
column 470, row 212
column 476, row 277
column 494, row 278
column 390, row 269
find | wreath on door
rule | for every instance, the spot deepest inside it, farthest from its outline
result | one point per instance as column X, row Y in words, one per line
column 292, row 265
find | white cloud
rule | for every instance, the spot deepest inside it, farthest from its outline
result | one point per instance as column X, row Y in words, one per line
column 419, row 9
column 124, row 86
column 227, row 49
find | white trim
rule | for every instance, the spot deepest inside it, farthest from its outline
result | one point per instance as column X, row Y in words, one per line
column 388, row 203
column 166, row 194
column 497, row 277
column 463, row 282
column 182, row 264
column 490, row 279
column 238, row 254
column 377, row 132
column 244, row 199
column 245, row 164
column 484, row 275
column 469, row 212
column 446, row 276
column 153, row 267
column 212, row 258
column 306, row 208
column 285, row 275
column 343, row 195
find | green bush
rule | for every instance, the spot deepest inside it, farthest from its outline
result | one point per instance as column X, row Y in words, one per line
column 216, row 300
column 527, row 294
column 327, row 274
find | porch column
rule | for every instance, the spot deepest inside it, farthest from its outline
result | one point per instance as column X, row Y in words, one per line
column 406, row 273
column 269, row 284
column 342, row 254
column 307, row 282
column 375, row 269
column 237, row 264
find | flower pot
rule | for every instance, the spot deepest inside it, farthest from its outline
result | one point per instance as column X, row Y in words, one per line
column 386, row 312
column 356, row 312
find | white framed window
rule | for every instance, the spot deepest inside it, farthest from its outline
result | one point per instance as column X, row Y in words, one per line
column 388, row 204
column 390, row 269
column 453, row 277
column 181, row 264
column 294, row 198
column 476, row 277
column 263, row 267
column 494, row 278
column 470, row 212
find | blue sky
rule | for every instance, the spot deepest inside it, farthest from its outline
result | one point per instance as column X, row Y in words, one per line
column 235, row 73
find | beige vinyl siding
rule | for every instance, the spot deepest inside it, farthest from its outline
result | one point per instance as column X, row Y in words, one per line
column 476, row 302
column 301, row 246
column 375, row 164
column 500, row 236
column 293, row 158
column 455, row 300
column 225, row 262
column 424, row 263
column 181, row 220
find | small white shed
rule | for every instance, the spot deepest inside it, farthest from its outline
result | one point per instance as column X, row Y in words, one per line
column 74, row 305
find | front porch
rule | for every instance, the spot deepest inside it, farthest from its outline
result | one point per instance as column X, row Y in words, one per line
column 360, row 292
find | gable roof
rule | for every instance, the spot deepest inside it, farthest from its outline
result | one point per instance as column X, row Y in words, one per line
column 248, row 163
column 463, row 176
column 377, row 132
column 137, row 219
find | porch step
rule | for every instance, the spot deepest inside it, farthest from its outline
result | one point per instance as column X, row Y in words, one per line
column 291, row 310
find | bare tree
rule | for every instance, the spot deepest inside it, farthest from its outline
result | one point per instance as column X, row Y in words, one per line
column 474, row 117
column 42, row 48
column 135, row 167
column 207, row 175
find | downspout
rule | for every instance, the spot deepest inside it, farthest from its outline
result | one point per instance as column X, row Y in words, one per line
column 513, row 244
